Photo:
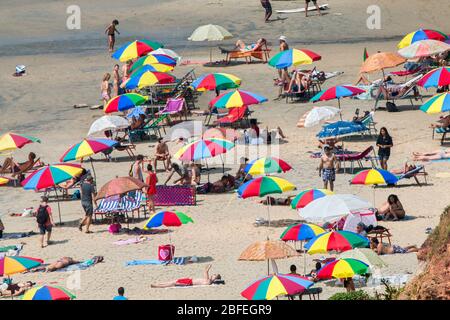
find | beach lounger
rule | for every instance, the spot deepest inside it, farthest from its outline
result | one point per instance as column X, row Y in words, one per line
column 418, row 171
column 358, row 158
column 175, row 107
column 153, row 126
column 261, row 52
column 411, row 86
column 236, row 117
column 443, row 132
column 370, row 123
column 175, row 196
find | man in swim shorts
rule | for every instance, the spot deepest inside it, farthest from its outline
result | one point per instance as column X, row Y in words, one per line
column 382, row 248
column 188, row 282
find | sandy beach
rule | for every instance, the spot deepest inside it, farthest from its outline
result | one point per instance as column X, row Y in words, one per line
column 65, row 67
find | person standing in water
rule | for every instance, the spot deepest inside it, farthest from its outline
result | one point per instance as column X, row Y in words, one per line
column 111, row 32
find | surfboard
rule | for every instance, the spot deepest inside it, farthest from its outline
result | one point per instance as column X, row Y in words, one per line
column 312, row 8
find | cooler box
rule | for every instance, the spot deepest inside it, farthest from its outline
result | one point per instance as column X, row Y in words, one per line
column 165, row 252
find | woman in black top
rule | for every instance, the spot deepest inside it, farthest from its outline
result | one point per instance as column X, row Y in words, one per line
column 384, row 144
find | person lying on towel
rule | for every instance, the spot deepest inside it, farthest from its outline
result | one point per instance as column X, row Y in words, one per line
column 207, row 280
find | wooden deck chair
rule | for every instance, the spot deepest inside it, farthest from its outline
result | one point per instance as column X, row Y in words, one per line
column 260, row 52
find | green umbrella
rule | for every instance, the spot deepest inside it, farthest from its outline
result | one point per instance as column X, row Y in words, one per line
column 366, row 255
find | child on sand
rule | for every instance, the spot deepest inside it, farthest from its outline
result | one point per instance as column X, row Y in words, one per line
column 151, row 181
column 44, row 220
column 111, row 32
column 327, row 168
column 106, row 88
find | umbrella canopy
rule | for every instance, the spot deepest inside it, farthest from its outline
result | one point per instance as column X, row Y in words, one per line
column 341, row 129
column 210, row 32
column 11, row 265
column 144, row 78
column 263, row 186
column 374, row 176
column 120, row 186
column 185, row 130
column 51, row 175
column 316, row 116
column 269, row 249
column 339, row 241
column 332, row 207
column 293, row 57
column 135, row 49
column 366, row 255
column 168, row 219
column 381, row 60
column 155, row 67
column 124, row 102
column 423, row 48
column 135, row 112
column 48, row 293
column 421, row 34
column 436, row 78
column 273, row 286
column 106, row 123
column 86, row 148
column 167, row 52
column 4, row 181
column 301, row 232
column 437, row 103
column 221, row 133
column 337, row 92
column 213, row 81
column 12, row 141
column 203, row 148
column 152, row 59
column 236, row 99
column 342, row 269
column 307, row 196
column 267, row 165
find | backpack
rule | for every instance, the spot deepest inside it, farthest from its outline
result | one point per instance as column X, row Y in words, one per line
column 391, row 107
column 42, row 215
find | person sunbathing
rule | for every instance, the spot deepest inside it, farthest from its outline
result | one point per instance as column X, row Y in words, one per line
column 276, row 201
column 443, row 122
column 242, row 47
column 383, row 248
column 225, row 184
column 10, row 166
column 392, row 208
column 406, row 168
column 393, row 90
column 299, row 82
column 15, row 289
column 58, row 264
column 434, row 155
column 207, row 280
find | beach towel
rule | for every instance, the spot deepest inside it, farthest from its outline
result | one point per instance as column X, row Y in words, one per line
column 180, row 261
column 174, row 196
column 82, row 265
column 130, row 241
column 16, row 235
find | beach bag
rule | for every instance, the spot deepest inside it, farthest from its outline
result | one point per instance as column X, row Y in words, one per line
column 76, row 195
column 42, row 215
column 165, row 252
column 114, row 228
column 391, row 107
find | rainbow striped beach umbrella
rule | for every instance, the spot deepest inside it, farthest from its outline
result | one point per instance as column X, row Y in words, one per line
column 87, row 148
column 152, row 58
column 273, row 286
column 337, row 92
column 48, row 293
column 306, row 196
column 11, row 265
column 301, row 232
column 262, row 186
column 213, row 81
column 51, row 175
column 124, row 102
column 339, row 241
column 145, row 78
column 267, row 165
column 421, row 34
column 203, row 149
column 437, row 103
column 374, row 176
column 12, row 141
column 236, row 99
column 293, row 57
column 155, row 67
column 436, row 78
column 135, row 49
column 342, row 269
column 168, row 219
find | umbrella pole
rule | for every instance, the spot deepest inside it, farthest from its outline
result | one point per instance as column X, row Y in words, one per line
column 268, row 213
column 59, row 208
column 93, row 170
column 340, row 111
column 304, row 257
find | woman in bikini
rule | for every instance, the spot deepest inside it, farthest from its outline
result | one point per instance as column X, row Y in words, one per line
column 15, row 289
column 189, row 282
column 106, row 89
column 434, row 155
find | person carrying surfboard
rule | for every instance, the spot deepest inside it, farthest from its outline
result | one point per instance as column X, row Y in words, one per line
column 307, row 4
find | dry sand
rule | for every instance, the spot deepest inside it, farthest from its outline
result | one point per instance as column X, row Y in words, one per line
column 40, row 104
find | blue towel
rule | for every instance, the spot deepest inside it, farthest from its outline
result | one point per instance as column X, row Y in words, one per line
column 176, row 260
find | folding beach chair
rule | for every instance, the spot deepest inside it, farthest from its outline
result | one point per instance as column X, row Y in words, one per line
column 414, row 173
column 411, row 93
column 132, row 202
column 235, row 117
column 443, row 132
column 175, row 107
column 358, row 158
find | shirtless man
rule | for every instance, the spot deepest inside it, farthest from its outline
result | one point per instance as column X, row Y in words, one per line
column 382, row 248
column 126, row 72
column 162, row 154
column 327, row 168
column 9, row 166
column 111, row 32
column 116, row 80
column 188, row 282
column 434, row 155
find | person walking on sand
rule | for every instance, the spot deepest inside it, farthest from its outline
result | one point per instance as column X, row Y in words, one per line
column 106, row 88
column 151, row 181
column 268, row 7
column 384, row 144
column 87, row 198
column 111, row 32
column 307, row 4
column 327, row 168
column 44, row 220
column 136, row 170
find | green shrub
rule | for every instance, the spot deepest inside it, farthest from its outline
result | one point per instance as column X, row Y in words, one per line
column 354, row 295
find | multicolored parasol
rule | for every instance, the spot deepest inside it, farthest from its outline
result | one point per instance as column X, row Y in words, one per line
column 152, row 58
column 263, row 186
column 236, row 99
column 337, row 92
column 270, row 287
column 155, row 67
column 266, row 165
column 16, row 264
column 342, row 269
column 86, row 148
column 293, row 57
column 135, row 49
column 424, row 48
column 12, row 141
column 213, row 81
column 168, row 219
column 203, row 148
column 421, row 34
column 374, row 176
column 437, row 103
column 436, row 78
column 48, row 293
column 124, row 102
column 144, row 78
column 336, row 241
column 301, row 232
column 307, row 196
column 51, row 175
